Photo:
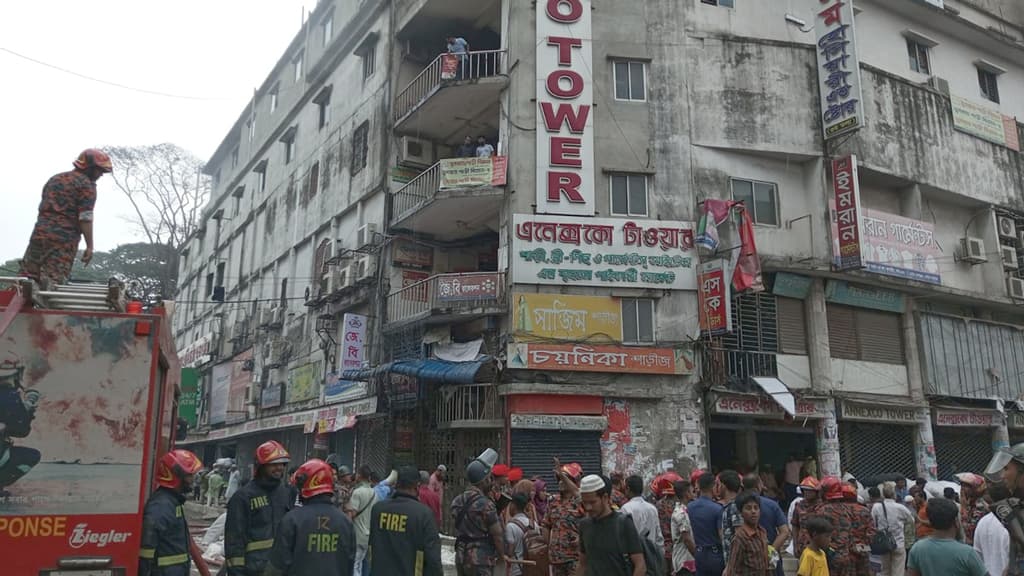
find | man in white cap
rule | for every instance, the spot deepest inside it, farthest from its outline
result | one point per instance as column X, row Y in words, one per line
column 437, row 482
column 607, row 537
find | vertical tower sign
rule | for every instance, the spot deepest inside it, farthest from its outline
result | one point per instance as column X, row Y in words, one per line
column 565, row 116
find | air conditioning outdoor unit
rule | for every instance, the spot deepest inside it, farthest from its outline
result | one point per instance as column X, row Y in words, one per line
column 345, row 277
column 366, row 267
column 1015, row 287
column 972, row 250
column 364, row 234
column 939, row 84
column 1007, row 227
column 415, row 152
column 266, row 316
column 1009, row 256
column 275, row 353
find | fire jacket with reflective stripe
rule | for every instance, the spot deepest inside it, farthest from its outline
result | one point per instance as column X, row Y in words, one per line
column 254, row 513
column 314, row 539
column 165, row 538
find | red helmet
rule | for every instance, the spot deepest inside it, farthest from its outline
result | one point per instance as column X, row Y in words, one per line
column 174, row 466
column 849, row 492
column 832, row 488
column 93, row 158
column 313, row 478
column 271, row 453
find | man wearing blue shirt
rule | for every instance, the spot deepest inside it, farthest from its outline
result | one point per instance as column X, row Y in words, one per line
column 773, row 519
column 706, row 521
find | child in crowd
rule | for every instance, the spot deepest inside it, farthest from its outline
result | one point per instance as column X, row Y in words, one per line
column 813, row 561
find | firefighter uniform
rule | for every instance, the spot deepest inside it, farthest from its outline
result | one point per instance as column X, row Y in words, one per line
column 165, row 537
column 315, row 538
column 254, row 513
column 403, row 539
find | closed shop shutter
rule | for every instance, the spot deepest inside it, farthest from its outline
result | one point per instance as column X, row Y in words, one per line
column 880, row 336
column 533, row 451
column 842, row 332
column 869, row 449
column 962, row 450
column 792, row 328
column 373, row 444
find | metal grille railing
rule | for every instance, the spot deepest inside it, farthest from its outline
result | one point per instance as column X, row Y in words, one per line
column 451, row 292
column 733, row 368
column 447, row 67
column 868, row 449
column 469, row 402
column 416, row 193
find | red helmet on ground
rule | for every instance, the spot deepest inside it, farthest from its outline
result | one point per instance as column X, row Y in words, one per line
column 271, row 452
column 832, row 488
column 93, row 158
column 174, row 466
column 313, row 478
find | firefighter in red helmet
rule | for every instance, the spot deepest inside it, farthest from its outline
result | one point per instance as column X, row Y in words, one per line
column 165, row 537
column 65, row 216
column 255, row 512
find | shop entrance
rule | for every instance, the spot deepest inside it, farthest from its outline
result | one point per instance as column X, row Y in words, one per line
column 962, row 450
column 742, row 446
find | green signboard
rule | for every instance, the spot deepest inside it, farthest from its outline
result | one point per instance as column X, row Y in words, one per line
column 188, row 402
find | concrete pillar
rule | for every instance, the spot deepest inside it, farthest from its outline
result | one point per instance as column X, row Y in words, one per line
column 924, row 446
column 915, row 375
column 819, row 356
column 1000, row 437
column 910, row 202
column 828, row 442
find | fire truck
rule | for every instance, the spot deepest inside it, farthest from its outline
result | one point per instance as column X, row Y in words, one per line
column 88, row 403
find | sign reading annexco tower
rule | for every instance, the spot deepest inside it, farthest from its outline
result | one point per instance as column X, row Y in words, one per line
column 565, row 124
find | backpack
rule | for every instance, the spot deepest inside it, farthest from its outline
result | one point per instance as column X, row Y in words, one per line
column 534, row 548
column 654, row 557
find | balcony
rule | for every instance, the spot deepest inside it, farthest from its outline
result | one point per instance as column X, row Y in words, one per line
column 452, row 94
column 444, row 298
column 469, row 406
column 733, row 368
column 455, row 198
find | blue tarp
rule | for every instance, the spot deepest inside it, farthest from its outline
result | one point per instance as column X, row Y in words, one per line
column 439, row 371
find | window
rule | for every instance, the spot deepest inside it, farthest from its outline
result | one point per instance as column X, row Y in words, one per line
column 760, row 198
column 920, row 59
column 209, row 284
column 629, row 194
column 754, row 324
column 297, row 63
column 288, row 139
column 220, row 273
column 637, row 320
column 234, row 157
column 314, row 179
column 359, row 147
column 368, row 52
column 284, row 293
column 237, row 195
column 251, row 126
column 630, row 81
column 327, row 27
column 863, row 334
column 989, row 83
column 722, row 3
column 273, row 98
column 323, row 106
column 261, row 176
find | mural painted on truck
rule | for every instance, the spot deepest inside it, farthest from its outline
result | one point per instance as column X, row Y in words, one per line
column 73, row 394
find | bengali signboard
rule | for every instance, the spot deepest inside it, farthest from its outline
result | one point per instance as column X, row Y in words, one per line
column 188, row 402
column 846, row 224
column 558, row 422
column 966, row 418
column 220, row 384
column 861, row 296
column 272, row 395
column 878, row 413
column 568, row 317
column 341, row 415
column 714, row 299
column 565, row 124
column 405, row 252
column 901, row 247
column 838, row 69
column 461, row 287
column 240, row 381
column 614, row 252
column 979, row 120
column 197, row 353
column 599, row 358
column 304, row 382
column 762, row 406
column 473, row 172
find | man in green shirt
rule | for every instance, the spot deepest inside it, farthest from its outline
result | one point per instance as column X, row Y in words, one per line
column 359, row 505
column 941, row 554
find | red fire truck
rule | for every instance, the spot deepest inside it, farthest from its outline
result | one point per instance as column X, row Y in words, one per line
column 88, row 403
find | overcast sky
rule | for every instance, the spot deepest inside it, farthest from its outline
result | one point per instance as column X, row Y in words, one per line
column 218, row 51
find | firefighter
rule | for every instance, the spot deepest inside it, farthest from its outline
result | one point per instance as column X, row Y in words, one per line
column 165, row 537
column 315, row 538
column 17, row 410
column 255, row 511
column 403, row 532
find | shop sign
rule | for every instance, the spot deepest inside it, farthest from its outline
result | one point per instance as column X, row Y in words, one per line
column 197, row 353
column 714, row 302
column 353, row 337
column 271, row 395
column 188, row 402
column 900, row 247
column 558, row 422
column 565, row 123
column 791, row 285
column 979, row 120
column 568, row 317
column 308, row 419
column 338, row 390
column 473, row 172
column 862, row 296
column 405, row 391
column 838, row 69
column 614, row 252
column 614, row 359
column 966, row 418
column 761, row 406
column 449, row 66
column 462, row 287
column 240, row 381
column 303, row 382
column 877, row 413
column 220, row 384
column 1015, row 420
column 405, row 252
column 846, row 222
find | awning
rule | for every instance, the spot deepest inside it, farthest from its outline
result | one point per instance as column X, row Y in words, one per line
column 778, row 392
column 439, row 371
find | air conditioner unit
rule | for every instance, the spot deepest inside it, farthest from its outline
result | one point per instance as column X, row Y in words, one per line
column 266, row 317
column 972, row 250
column 939, row 84
column 1015, row 287
column 366, row 267
column 1007, row 227
column 364, row 234
column 415, row 152
column 1009, row 256
column 346, row 276
column 275, row 353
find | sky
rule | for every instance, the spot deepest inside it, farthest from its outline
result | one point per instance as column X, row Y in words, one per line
column 215, row 52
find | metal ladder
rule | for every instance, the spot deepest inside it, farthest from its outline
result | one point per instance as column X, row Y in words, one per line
column 74, row 296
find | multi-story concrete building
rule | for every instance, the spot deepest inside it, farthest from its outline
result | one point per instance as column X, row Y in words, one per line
column 544, row 299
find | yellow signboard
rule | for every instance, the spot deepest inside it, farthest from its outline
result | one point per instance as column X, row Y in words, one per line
column 568, row 317
column 304, row 382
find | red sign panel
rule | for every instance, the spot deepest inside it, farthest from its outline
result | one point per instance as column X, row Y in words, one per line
column 715, row 304
column 847, row 219
column 583, row 358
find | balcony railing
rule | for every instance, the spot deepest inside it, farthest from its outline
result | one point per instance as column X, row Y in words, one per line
column 470, row 405
column 447, row 294
column 733, row 368
column 416, row 192
column 447, row 68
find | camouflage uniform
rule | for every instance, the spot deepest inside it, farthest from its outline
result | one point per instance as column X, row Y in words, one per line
column 666, row 506
column 851, row 527
column 68, row 200
column 475, row 554
column 563, row 520
column 971, row 512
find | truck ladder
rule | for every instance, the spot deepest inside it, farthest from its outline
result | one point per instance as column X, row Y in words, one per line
column 75, row 296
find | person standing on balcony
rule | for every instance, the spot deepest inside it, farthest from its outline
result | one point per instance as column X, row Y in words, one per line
column 467, row 149
column 457, row 45
column 483, row 148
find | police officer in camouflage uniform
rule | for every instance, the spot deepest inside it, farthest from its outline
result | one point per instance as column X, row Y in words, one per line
column 480, row 539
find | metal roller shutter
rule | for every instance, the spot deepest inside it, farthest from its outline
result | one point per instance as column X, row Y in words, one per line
column 373, row 444
column 962, row 450
column 879, row 336
column 842, row 332
column 533, row 450
column 792, row 328
column 868, row 449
